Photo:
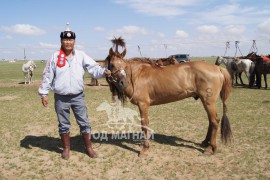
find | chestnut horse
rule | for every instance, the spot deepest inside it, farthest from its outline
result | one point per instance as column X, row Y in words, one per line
column 146, row 84
column 166, row 61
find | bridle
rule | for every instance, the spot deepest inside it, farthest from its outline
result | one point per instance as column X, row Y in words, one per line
column 115, row 81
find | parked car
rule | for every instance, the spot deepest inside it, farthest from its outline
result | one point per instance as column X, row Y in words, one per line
column 181, row 57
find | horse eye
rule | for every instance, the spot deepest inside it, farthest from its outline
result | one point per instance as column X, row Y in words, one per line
column 112, row 66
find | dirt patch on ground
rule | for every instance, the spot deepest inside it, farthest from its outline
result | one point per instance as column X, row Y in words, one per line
column 7, row 98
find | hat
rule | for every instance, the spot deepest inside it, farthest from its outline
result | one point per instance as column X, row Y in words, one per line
column 67, row 34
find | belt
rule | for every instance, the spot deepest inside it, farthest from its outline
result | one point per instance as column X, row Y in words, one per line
column 70, row 94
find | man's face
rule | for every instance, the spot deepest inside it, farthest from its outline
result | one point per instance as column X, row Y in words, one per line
column 68, row 44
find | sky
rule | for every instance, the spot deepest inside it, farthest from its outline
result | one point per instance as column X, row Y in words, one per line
column 150, row 28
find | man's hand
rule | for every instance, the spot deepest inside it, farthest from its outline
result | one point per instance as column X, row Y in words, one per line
column 107, row 73
column 45, row 101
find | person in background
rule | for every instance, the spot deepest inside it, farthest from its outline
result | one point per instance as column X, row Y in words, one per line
column 64, row 74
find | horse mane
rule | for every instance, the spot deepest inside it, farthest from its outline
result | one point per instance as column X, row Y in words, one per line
column 144, row 60
column 118, row 42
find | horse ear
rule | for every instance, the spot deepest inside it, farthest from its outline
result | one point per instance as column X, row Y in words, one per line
column 111, row 52
column 124, row 53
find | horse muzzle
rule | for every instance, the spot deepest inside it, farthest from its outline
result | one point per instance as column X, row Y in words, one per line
column 119, row 83
column 123, row 83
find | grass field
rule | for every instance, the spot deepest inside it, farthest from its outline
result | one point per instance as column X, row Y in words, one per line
column 30, row 146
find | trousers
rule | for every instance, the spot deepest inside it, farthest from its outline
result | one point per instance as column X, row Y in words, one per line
column 63, row 104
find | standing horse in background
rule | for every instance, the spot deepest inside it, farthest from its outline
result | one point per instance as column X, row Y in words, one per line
column 166, row 61
column 236, row 66
column 28, row 71
column 262, row 67
column 94, row 81
column 146, row 84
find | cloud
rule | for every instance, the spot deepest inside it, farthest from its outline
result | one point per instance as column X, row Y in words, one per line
column 128, row 32
column 49, row 46
column 216, row 34
column 235, row 29
column 23, row 29
column 99, row 29
column 6, row 37
column 181, row 34
column 211, row 29
column 160, row 34
column 264, row 27
column 158, row 7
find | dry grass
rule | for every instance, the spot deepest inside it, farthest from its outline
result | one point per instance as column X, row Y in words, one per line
column 30, row 145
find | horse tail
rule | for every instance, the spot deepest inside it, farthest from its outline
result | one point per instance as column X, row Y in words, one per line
column 226, row 132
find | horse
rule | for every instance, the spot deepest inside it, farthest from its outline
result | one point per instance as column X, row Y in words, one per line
column 262, row 67
column 166, row 61
column 236, row 66
column 28, row 71
column 146, row 84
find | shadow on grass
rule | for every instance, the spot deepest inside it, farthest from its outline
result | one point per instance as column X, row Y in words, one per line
column 121, row 140
column 51, row 143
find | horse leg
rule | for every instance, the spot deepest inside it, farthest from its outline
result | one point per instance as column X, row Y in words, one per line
column 247, row 76
column 212, row 129
column 240, row 77
column 25, row 77
column 29, row 80
column 144, row 124
column 92, row 81
column 206, row 141
column 258, row 80
column 32, row 76
column 236, row 78
column 97, row 83
column 232, row 76
column 265, row 79
column 251, row 79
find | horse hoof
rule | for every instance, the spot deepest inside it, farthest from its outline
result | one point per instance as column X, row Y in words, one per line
column 207, row 153
column 209, row 150
column 204, row 144
column 143, row 153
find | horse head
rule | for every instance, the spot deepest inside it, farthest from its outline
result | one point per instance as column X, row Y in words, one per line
column 173, row 60
column 119, row 79
column 118, row 68
column 31, row 68
column 219, row 60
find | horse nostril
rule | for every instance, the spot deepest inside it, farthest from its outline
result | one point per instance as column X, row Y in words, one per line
column 122, row 83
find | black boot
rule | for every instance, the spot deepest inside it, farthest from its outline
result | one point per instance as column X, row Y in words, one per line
column 66, row 145
column 88, row 145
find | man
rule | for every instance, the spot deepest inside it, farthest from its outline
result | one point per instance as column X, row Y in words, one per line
column 63, row 74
